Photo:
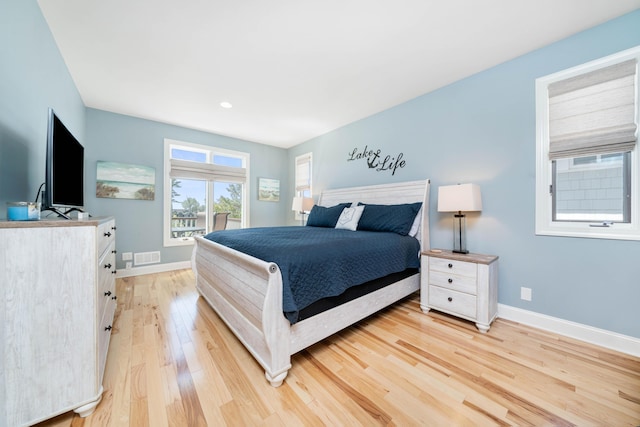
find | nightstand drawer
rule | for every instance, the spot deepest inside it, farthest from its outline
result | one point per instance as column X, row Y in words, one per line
column 453, row 281
column 450, row 266
column 453, row 302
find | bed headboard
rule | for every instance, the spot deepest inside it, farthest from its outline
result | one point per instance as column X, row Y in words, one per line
column 386, row 194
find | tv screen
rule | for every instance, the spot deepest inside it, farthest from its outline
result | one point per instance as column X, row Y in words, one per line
column 64, row 182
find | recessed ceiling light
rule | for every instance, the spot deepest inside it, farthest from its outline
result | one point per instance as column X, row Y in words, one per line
column 226, row 104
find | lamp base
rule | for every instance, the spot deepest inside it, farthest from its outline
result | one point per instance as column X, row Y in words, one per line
column 459, row 234
column 460, row 252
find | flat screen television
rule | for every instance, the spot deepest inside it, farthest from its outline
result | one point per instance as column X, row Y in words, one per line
column 64, row 181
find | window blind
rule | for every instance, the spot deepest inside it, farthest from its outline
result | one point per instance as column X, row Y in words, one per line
column 206, row 171
column 594, row 113
column 303, row 172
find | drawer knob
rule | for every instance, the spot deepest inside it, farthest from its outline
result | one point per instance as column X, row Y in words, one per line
column 113, row 228
column 449, row 299
column 107, row 294
column 108, row 328
column 450, row 265
column 115, row 297
column 107, row 234
column 113, row 271
column 107, row 266
column 450, row 280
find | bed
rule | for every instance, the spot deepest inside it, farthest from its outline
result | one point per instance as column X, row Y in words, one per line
column 247, row 292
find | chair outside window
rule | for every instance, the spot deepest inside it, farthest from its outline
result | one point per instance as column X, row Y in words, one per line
column 220, row 220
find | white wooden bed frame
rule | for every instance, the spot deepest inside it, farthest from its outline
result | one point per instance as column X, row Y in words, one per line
column 247, row 292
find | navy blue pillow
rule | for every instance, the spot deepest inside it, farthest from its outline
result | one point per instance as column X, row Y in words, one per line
column 321, row 216
column 394, row 218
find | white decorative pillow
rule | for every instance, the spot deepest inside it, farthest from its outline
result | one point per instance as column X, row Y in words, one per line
column 349, row 218
column 416, row 224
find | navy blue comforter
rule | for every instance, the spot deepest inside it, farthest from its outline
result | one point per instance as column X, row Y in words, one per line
column 319, row 262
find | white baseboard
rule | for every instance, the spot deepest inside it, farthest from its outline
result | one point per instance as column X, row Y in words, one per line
column 612, row 340
column 150, row 269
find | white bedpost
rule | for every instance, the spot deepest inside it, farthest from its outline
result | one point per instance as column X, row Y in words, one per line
column 276, row 330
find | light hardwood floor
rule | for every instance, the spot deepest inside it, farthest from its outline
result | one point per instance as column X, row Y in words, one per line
column 172, row 362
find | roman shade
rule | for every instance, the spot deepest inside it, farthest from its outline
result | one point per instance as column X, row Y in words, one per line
column 188, row 169
column 303, row 172
column 593, row 113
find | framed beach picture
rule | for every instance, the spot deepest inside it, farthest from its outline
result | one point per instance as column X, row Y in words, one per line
column 125, row 181
column 268, row 190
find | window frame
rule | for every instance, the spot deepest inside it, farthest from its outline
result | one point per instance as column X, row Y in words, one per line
column 299, row 191
column 544, row 223
column 211, row 151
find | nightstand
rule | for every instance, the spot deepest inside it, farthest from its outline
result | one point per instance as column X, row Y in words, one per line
column 464, row 285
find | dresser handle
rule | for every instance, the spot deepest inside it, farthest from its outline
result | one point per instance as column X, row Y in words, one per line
column 115, row 297
column 449, row 299
column 113, row 271
column 450, row 280
column 113, row 228
column 107, row 294
column 108, row 328
column 450, row 265
column 107, row 234
column 107, row 266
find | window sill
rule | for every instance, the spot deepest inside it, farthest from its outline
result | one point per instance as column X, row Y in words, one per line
column 615, row 232
column 183, row 241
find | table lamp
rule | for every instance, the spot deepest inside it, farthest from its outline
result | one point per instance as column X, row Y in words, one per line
column 302, row 205
column 459, row 198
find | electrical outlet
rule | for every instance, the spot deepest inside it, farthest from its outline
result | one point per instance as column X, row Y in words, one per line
column 525, row 293
column 127, row 256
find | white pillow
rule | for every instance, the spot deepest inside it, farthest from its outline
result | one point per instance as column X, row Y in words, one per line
column 416, row 224
column 349, row 218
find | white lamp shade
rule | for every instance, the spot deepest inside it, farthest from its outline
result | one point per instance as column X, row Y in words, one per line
column 461, row 197
column 302, row 204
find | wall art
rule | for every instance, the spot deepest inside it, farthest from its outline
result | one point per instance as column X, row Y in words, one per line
column 125, row 181
column 268, row 190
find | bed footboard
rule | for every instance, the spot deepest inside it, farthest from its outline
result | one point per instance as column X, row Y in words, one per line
column 247, row 294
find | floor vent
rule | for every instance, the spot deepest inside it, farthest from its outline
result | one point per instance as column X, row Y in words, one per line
column 142, row 258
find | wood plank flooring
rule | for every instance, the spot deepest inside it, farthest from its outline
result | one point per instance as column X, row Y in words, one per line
column 173, row 362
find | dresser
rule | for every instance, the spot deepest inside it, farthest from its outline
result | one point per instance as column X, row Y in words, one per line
column 57, row 298
column 464, row 285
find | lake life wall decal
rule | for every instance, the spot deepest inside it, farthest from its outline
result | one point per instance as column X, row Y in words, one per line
column 376, row 161
column 125, row 181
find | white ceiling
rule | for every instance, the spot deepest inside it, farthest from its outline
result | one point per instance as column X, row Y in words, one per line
column 294, row 69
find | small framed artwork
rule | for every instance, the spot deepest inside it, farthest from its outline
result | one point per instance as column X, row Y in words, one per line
column 125, row 181
column 268, row 190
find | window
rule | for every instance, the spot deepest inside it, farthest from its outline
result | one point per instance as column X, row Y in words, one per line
column 200, row 182
column 303, row 178
column 587, row 174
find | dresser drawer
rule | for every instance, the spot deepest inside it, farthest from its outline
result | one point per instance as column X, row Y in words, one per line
column 106, row 280
column 460, row 268
column 453, row 281
column 106, row 235
column 453, row 302
column 104, row 336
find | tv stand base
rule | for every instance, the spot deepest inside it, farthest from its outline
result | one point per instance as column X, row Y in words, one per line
column 65, row 214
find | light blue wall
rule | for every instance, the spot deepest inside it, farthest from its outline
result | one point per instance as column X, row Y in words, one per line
column 33, row 77
column 125, row 139
column 482, row 130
